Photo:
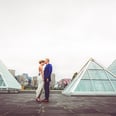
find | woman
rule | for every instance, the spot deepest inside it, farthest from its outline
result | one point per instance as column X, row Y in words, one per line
column 40, row 80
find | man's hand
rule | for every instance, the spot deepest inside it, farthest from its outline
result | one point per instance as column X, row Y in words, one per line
column 47, row 80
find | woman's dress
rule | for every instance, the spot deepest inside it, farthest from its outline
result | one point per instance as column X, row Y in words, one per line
column 40, row 86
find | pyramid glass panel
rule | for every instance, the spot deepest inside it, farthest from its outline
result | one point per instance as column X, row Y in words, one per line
column 6, row 79
column 110, row 76
column 114, row 84
column 86, row 75
column 93, row 65
column 84, row 85
column 112, row 67
column 98, row 85
column 92, row 80
column 1, row 81
column 97, row 74
column 108, row 86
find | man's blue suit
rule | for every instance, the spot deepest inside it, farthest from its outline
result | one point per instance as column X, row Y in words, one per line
column 47, row 79
column 47, row 72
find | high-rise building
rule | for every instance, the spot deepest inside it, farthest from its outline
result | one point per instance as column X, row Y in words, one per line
column 52, row 83
column 34, row 81
column 22, row 80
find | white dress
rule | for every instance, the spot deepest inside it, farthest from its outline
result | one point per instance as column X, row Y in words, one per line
column 40, row 86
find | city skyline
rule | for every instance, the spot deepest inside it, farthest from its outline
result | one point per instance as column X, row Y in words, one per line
column 68, row 32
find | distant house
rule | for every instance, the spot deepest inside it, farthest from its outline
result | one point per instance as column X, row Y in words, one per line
column 63, row 83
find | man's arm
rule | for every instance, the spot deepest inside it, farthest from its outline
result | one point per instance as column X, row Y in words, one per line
column 47, row 72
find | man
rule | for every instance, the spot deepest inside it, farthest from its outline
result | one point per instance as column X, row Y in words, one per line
column 47, row 79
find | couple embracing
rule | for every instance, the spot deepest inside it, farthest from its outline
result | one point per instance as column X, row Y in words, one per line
column 44, row 79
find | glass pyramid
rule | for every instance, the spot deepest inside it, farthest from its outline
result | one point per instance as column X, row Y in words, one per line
column 7, row 81
column 93, row 79
column 112, row 67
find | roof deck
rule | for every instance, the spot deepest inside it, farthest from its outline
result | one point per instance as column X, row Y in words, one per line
column 24, row 104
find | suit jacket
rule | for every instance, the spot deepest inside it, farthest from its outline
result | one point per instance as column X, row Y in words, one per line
column 47, row 72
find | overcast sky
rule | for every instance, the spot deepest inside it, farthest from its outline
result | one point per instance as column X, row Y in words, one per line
column 68, row 32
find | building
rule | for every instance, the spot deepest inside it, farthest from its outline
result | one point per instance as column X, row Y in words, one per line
column 52, row 83
column 7, row 81
column 22, row 80
column 63, row 83
column 93, row 79
column 34, row 82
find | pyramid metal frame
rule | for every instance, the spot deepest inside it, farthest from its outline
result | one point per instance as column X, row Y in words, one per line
column 7, row 81
column 70, row 89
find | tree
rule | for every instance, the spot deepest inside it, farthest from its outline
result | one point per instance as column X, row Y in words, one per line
column 74, row 75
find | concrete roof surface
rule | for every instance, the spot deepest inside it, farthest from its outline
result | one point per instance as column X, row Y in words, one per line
column 24, row 104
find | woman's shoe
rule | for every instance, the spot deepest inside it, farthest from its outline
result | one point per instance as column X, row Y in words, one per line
column 38, row 100
column 45, row 100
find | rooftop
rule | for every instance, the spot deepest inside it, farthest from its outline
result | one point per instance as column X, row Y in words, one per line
column 24, row 104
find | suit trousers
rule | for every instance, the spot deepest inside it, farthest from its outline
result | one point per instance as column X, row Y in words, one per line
column 46, row 88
